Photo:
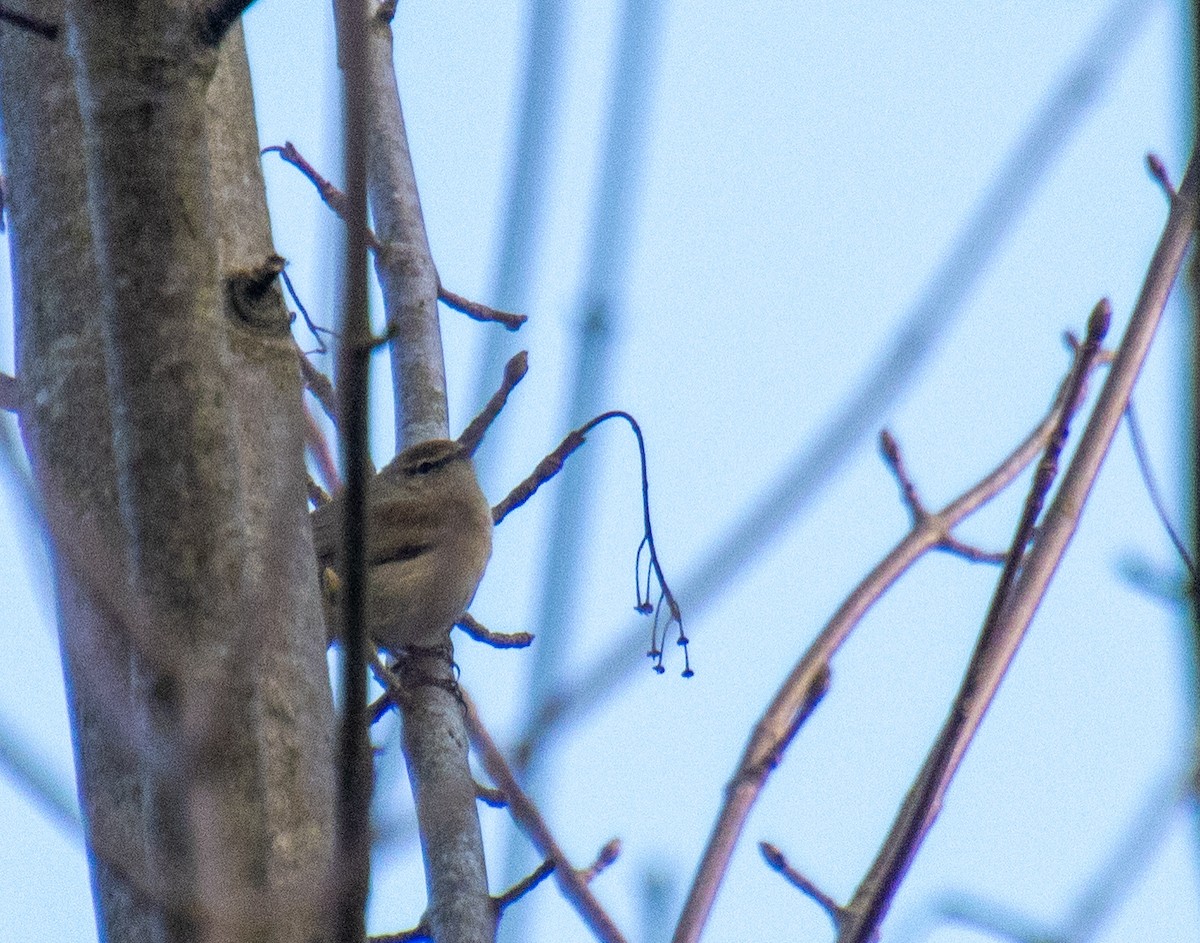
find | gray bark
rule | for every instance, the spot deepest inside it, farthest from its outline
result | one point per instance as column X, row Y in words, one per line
column 435, row 736
column 164, row 424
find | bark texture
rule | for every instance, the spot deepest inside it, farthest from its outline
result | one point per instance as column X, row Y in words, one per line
column 435, row 735
column 161, row 407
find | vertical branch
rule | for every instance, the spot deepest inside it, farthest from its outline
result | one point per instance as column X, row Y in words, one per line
column 66, row 425
column 351, row 864
column 434, row 731
column 403, row 262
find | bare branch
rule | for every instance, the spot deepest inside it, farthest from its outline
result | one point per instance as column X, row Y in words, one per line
column 433, row 734
column 604, row 858
column 482, row 633
column 524, row 886
column 490, row 796
column 514, row 373
column 313, row 328
column 778, row 863
column 479, row 312
column 572, row 883
column 800, row 692
column 351, row 863
column 958, row 548
column 1158, row 170
column 333, row 197
column 890, row 450
column 1014, row 608
column 1152, row 489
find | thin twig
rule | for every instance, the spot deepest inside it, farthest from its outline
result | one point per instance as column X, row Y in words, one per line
column 1158, row 170
column 524, row 886
column 1001, row 638
column 550, row 466
column 313, row 328
column 481, row 633
column 890, row 449
column 334, row 198
column 799, row 693
column 894, row 459
column 490, row 796
column 572, row 883
column 1152, row 489
column 479, row 312
column 778, row 862
column 1047, row 469
column 604, row 858
column 514, row 372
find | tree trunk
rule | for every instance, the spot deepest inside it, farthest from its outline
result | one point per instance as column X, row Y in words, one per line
column 162, row 412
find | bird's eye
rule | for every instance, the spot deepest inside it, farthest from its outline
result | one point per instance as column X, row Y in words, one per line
column 425, row 468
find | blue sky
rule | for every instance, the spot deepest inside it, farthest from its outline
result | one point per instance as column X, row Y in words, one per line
column 807, row 167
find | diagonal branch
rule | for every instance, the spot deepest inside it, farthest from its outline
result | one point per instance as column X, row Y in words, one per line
column 571, row 882
column 1015, row 611
column 803, row 688
column 931, row 315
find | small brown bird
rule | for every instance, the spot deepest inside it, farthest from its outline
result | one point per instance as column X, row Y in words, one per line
column 429, row 537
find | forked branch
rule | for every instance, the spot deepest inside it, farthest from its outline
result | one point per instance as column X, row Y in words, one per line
column 572, row 883
column 797, row 697
column 1014, row 609
column 335, row 199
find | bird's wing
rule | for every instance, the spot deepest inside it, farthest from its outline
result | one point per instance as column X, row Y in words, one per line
column 401, row 530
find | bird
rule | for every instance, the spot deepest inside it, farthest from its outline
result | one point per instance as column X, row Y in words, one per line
column 428, row 541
